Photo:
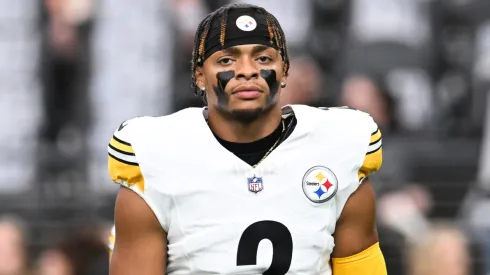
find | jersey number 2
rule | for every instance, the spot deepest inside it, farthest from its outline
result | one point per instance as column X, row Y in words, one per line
column 282, row 242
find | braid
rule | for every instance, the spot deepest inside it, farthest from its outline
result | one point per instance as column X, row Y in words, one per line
column 276, row 35
column 203, row 40
column 222, row 34
column 198, row 51
column 269, row 27
column 278, row 38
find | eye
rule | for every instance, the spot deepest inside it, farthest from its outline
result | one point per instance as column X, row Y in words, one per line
column 264, row 59
column 225, row 61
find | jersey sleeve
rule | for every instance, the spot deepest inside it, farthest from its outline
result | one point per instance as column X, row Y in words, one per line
column 374, row 153
column 123, row 166
column 127, row 168
column 367, row 157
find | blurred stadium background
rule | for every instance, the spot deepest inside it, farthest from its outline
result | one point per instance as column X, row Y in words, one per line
column 72, row 70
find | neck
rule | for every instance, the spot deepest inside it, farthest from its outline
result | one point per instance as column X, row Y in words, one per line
column 235, row 131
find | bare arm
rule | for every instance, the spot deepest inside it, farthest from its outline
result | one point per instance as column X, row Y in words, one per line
column 141, row 243
column 356, row 227
column 357, row 249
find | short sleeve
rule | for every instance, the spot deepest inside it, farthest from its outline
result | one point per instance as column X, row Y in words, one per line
column 374, row 153
column 365, row 150
column 123, row 166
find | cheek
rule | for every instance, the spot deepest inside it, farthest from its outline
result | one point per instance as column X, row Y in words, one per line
column 210, row 81
column 209, row 73
column 279, row 67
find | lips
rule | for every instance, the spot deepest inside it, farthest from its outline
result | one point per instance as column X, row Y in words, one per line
column 247, row 88
column 247, row 91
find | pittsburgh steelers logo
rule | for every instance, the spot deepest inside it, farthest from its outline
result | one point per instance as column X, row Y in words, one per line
column 246, row 23
column 320, row 184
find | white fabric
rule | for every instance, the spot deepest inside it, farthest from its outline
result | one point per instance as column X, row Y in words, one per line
column 200, row 193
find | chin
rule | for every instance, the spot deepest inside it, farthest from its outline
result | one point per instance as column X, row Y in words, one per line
column 246, row 115
column 247, row 104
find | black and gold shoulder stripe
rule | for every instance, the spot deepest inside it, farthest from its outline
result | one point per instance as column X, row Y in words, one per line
column 123, row 166
column 374, row 156
column 122, row 151
column 375, row 142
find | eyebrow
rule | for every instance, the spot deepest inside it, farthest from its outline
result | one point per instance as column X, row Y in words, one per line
column 255, row 50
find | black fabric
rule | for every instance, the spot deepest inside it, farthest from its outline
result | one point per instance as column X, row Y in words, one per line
column 253, row 152
column 233, row 35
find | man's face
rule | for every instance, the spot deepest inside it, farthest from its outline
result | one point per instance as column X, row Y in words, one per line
column 242, row 81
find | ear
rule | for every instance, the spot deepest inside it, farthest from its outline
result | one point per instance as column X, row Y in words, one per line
column 285, row 74
column 284, row 78
column 199, row 75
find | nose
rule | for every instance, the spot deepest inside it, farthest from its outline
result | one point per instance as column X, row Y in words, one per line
column 247, row 69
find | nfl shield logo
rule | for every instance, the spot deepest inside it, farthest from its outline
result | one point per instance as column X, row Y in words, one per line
column 255, row 184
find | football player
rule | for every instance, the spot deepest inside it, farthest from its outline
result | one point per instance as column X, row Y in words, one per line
column 243, row 186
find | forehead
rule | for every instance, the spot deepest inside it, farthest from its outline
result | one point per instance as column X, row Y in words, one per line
column 246, row 50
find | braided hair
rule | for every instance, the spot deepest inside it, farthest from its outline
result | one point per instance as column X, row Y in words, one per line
column 276, row 35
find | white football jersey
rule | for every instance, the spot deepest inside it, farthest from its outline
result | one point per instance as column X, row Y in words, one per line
column 224, row 216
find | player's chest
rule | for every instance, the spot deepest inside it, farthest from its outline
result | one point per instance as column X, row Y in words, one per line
column 281, row 214
column 292, row 184
column 278, row 216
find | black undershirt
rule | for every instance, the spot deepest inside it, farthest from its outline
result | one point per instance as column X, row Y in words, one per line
column 253, row 152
